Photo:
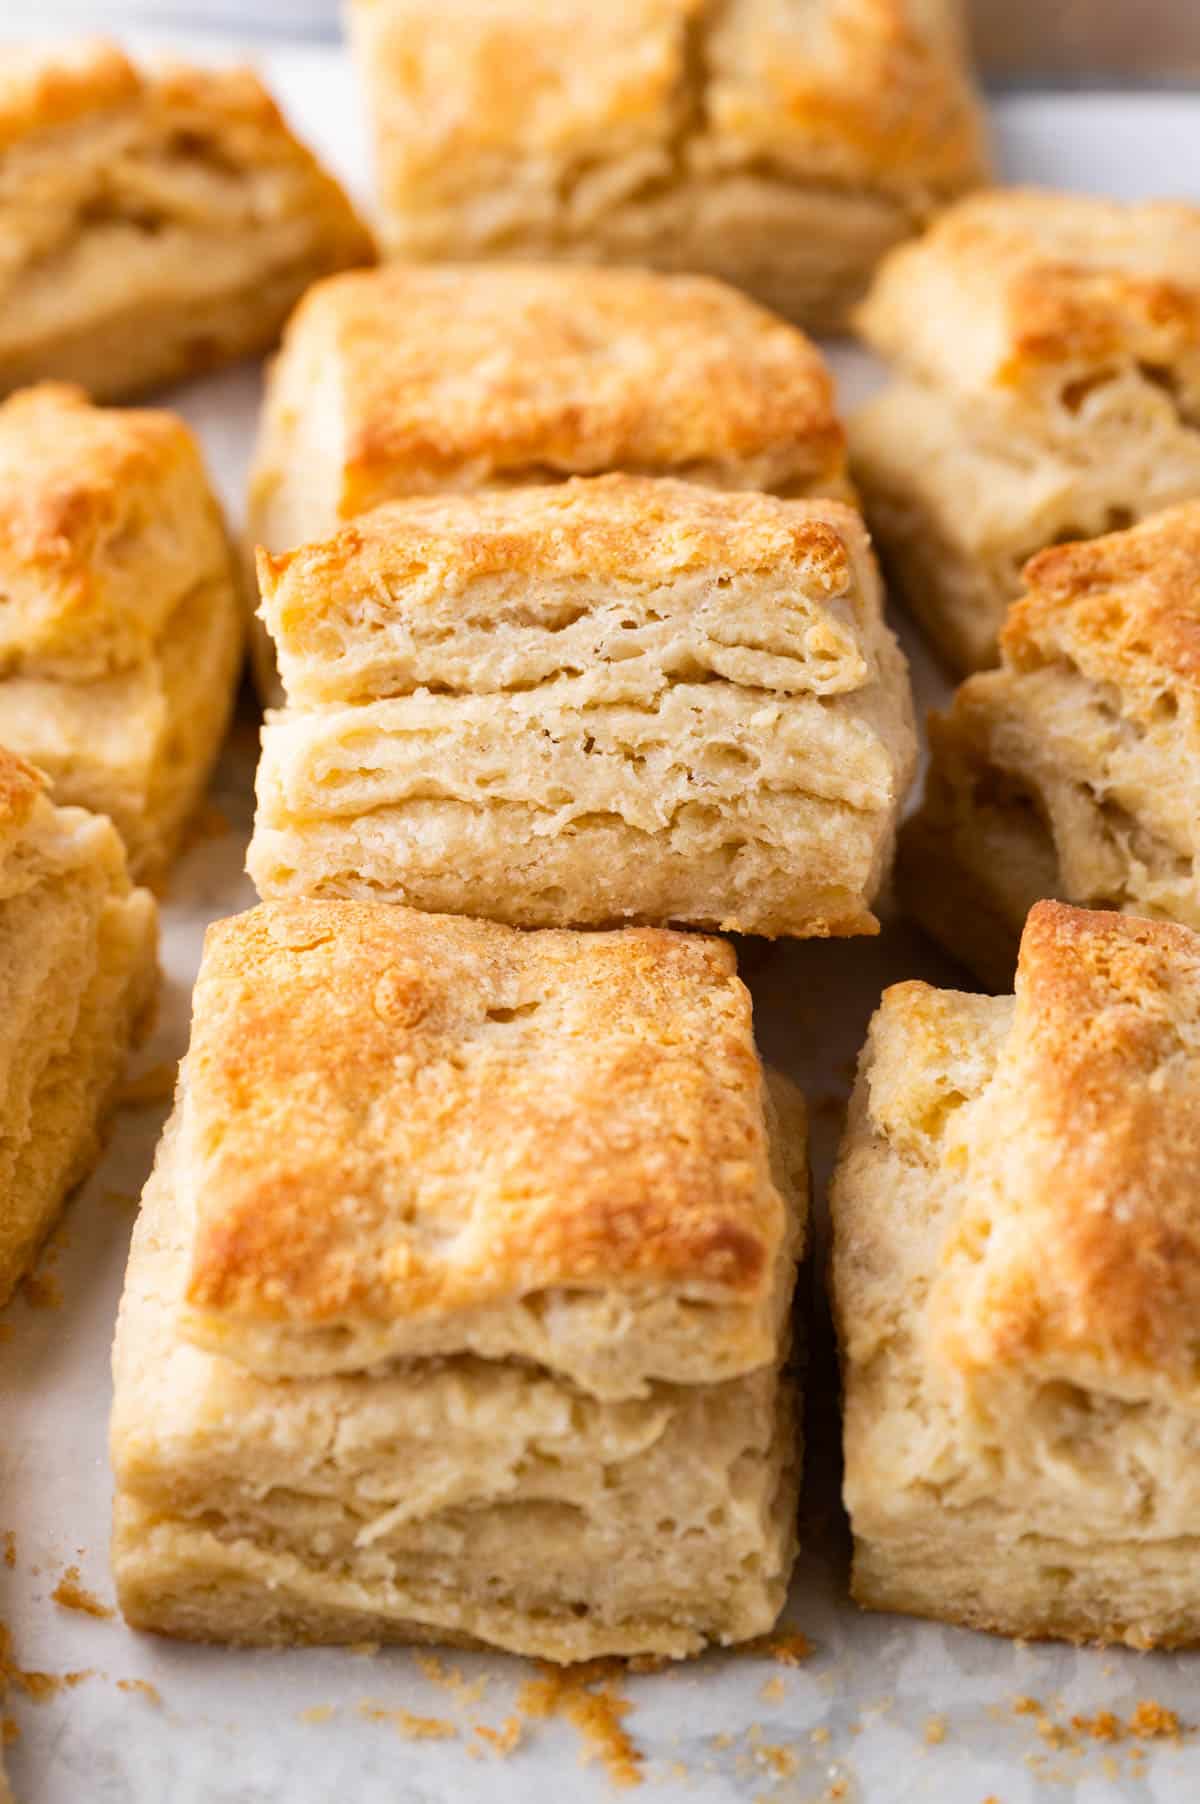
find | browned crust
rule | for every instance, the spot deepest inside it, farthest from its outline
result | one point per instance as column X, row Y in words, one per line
column 376, row 1132
column 621, row 526
column 1094, row 1268
column 1125, row 607
column 570, row 370
column 43, row 87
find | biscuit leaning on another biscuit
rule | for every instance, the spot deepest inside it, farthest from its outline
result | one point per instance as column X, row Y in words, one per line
column 1072, row 770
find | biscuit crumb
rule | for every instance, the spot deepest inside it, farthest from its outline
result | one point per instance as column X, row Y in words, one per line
column 413, row 1728
column 723, row 1740
column 452, row 1679
column 1026, row 1706
column 773, row 1690
column 1151, row 1722
column 504, row 1739
column 10, row 1548
column 935, row 1731
column 788, row 1646
column 141, row 1688
column 781, row 1760
column 154, row 1085
column 318, row 1713
column 69, row 1594
column 586, row 1696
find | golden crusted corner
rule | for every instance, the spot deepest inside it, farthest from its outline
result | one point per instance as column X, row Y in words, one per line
column 1127, row 604
column 45, row 86
column 1077, row 1255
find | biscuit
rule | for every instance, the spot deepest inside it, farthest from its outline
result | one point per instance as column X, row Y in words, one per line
column 1016, row 1275
column 460, row 1296
column 1067, row 772
column 78, row 970
column 1047, row 354
column 512, row 374
column 615, row 699
column 121, row 633
column 152, row 224
column 784, row 149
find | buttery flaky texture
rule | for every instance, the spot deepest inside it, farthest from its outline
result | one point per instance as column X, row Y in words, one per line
column 121, row 625
column 1073, row 770
column 614, row 699
column 511, row 374
column 1017, row 1284
column 152, row 224
column 78, row 972
column 1047, row 388
column 459, row 1300
column 784, row 148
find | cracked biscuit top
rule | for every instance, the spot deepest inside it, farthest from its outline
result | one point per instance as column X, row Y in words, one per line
column 408, row 1133
column 842, row 94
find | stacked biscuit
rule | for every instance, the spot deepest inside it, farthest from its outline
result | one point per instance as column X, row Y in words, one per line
column 460, row 1295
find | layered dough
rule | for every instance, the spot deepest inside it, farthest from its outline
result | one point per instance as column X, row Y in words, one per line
column 612, row 700
column 423, row 1336
column 510, row 375
column 122, row 642
column 1015, row 1276
column 1046, row 350
column 78, row 972
column 1072, row 770
column 152, row 225
column 785, row 150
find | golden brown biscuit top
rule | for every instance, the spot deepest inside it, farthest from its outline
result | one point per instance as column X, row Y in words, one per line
column 392, row 1114
column 105, row 518
column 849, row 91
column 630, row 527
column 1077, row 1253
column 1124, row 609
column 47, row 85
column 1023, row 290
column 515, row 370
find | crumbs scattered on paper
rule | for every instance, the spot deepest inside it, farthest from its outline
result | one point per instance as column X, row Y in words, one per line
column 788, row 1646
column 413, row 1728
column 141, row 1688
column 70, row 1594
column 318, row 1713
column 504, row 1740
column 587, row 1698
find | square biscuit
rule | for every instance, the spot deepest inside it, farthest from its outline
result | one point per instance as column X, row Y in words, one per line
column 1070, row 770
column 459, row 1301
column 1016, row 1279
column 153, row 224
column 782, row 148
column 121, row 634
column 408, row 1135
column 78, row 973
column 1046, row 350
column 515, row 374
column 616, row 699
